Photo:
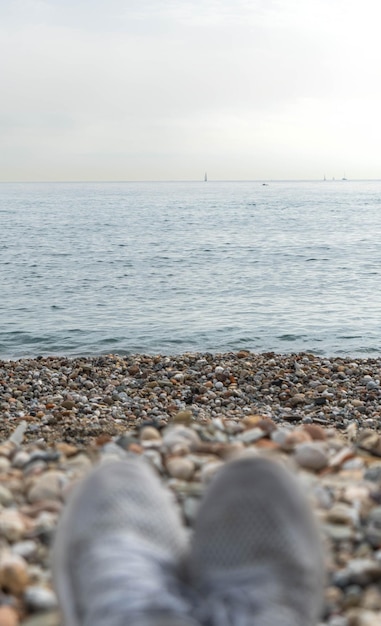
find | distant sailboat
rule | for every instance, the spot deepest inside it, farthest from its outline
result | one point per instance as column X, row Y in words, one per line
column 206, row 177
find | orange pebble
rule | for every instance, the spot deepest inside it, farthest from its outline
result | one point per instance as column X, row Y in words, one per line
column 8, row 616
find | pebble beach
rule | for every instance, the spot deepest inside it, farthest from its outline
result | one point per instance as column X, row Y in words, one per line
column 187, row 415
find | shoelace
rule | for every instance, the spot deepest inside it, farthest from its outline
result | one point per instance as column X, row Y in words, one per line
column 125, row 577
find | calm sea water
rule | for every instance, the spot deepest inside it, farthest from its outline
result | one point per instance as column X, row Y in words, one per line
column 91, row 268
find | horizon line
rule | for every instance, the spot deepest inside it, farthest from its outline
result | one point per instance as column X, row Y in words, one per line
column 196, row 180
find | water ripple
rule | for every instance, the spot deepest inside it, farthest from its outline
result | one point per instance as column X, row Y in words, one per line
column 124, row 267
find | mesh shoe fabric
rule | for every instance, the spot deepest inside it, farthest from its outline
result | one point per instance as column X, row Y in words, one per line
column 256, row 557
column 117, row 550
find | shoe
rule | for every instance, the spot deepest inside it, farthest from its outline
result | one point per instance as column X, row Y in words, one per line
column 117, row 551
column 256, row 557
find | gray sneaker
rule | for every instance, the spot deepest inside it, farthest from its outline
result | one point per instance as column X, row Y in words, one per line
column 256, row 557
column 117, row 551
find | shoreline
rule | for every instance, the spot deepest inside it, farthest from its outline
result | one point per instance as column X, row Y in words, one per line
column 371, row 355
column 187, row 415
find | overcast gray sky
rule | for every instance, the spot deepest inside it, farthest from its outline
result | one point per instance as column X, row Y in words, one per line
column 164, row 90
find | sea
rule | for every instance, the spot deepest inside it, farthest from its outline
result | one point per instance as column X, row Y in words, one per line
column 173, row 267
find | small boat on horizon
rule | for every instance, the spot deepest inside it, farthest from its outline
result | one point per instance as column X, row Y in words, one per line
column 206, row 178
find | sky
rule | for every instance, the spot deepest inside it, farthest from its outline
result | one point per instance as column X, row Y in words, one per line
column 166, row 90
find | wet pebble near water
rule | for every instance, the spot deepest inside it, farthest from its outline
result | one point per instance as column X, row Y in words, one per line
column 186, row 415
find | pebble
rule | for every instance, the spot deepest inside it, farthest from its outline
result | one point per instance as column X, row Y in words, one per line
column 251, row 435
column 26, row 548
column 8, row 616
column 373, row 473
column 209, row 469
column 39, row 598
column 295, row 438
column 358, row 572
column 372, row 598
column 341, row 513
column 78, row 465
column 363, row 617
column 6, row 497
column 338, row 532
column 12, row 525
column 187, row 415
column 20, row 459
column 150, row 434
column 49, row 486
column 180, row 467
column 13, row 573
column 311, row 456
column 179, row 438
column 18, row 434
column 5, row 464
